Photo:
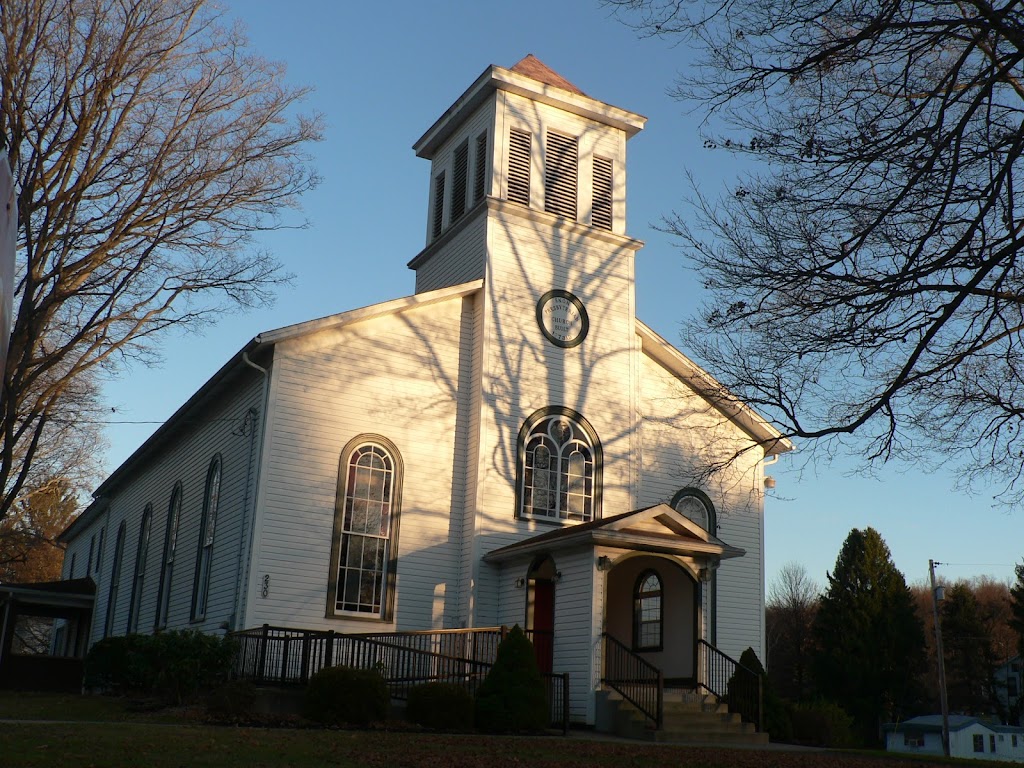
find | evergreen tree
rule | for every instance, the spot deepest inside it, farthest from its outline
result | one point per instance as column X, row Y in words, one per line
column 970, row 656
column 1017, row 608
column 871, row 638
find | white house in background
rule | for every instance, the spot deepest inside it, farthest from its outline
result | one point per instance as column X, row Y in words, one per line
column 508, row 445
column 969, row 738
column 1009, row 684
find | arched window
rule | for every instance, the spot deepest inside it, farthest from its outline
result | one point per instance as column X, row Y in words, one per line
column 207, row 528
column 365, row 544
column 163, row 599
column 140, row 570
column 559, row 467
column 647, row 623
column 695, row 504
column 115, row 578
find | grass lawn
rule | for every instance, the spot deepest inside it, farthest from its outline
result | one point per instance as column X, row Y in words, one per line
column 115, row 735
column 131, row 744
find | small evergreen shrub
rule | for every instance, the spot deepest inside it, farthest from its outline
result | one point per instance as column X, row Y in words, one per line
column 743, row 696
column 444, row 706
column 821, row 724
column 512, row 697
column 173, row 666
column 346, row 696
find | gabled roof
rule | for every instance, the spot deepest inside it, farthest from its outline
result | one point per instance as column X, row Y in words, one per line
column 241, row 360
column 537, row 70
column 658, row 529
column 705, row 385
column 534, row 80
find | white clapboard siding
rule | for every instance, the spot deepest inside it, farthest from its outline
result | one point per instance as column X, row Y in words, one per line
column 183, row 458
column 523, row 372
column 460, row 260
column 397, row 376
column 681, row 434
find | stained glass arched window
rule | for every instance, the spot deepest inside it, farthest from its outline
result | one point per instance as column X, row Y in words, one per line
column 559, row 467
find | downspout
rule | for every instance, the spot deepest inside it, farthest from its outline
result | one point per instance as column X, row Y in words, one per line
column 246, row 533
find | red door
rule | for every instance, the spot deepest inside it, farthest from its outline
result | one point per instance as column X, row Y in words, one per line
column 543, row 629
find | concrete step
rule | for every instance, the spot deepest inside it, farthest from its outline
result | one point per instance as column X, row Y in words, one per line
column 686, row 720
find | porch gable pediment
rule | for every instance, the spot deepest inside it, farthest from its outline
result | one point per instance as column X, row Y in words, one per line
column 653, row 529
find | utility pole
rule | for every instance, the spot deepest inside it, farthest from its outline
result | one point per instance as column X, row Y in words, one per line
column 937, row 595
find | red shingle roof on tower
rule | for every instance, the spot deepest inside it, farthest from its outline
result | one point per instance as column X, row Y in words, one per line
column 537, row 70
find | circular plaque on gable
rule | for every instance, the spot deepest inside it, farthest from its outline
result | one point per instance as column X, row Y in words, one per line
column 562, row 319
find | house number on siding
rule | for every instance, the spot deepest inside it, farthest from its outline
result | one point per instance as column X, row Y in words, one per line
column 265, row 585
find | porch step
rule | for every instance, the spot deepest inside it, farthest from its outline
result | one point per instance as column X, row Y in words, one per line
column 688, row 718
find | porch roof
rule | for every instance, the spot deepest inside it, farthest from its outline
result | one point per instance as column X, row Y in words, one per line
column 71, row 593
column 659, row 529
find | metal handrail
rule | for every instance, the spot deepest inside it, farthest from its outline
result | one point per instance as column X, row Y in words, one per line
column 286, row 656
column 740, row 687
column 637, row 680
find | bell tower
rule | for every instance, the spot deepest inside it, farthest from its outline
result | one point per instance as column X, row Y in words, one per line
column 528, row 193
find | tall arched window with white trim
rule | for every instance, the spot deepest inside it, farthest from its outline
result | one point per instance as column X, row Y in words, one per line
column 364, row 547
column 115, row 581
column 141, row 555
column 163, row 598
column 559, row 467
column 207, row 529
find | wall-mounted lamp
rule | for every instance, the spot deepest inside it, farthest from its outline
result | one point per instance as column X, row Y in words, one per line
column 769, row 482
column 520, row 582
column 604, row 563
column 558, row 577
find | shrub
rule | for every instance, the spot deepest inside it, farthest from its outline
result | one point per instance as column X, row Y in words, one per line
column 512, row 697
column 120, row 665
column 346, row 696
column 743, row 695
column 444, row 706
column 174, row 666
column 190, row 662
column 821, row 724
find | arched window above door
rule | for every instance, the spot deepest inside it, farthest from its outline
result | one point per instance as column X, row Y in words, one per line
column 696, row 505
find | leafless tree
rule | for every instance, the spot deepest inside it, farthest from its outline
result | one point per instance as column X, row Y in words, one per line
column 148, row 144
column 789, row 621
column 865, row 277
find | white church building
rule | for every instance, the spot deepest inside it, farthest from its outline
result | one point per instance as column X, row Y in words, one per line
column 509, row 444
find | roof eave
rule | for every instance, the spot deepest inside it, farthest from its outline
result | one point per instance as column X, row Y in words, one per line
column 496, row 78
column 704, row 384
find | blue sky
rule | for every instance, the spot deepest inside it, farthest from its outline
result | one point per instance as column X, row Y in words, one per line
column 382, row 73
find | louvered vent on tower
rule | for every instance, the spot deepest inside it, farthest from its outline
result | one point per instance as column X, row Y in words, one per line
column 438, row 203
column 519, row 167
column 460, row 170
column 480, row 174
column 560, row 176
column 601, row 214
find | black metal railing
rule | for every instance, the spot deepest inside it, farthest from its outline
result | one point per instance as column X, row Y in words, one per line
column 638, row 681
column 739, row 687
column 281, row 656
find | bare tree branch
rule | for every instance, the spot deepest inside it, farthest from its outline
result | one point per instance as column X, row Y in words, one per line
column 148, row 144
